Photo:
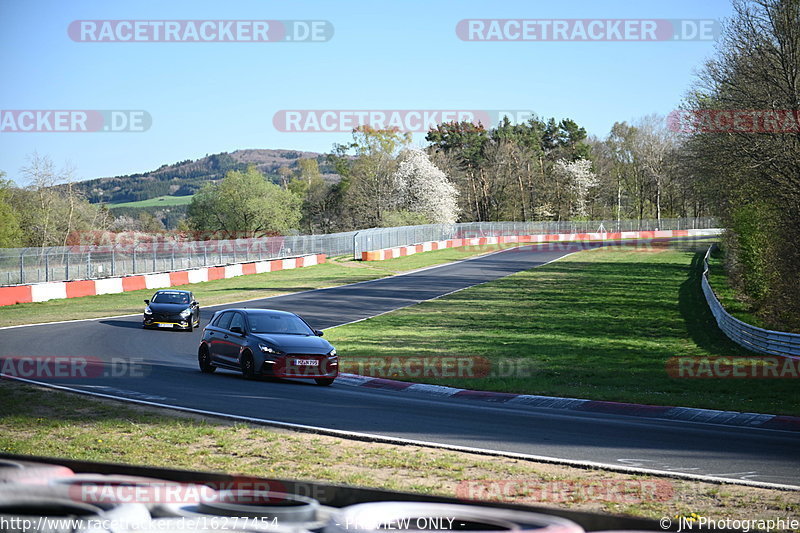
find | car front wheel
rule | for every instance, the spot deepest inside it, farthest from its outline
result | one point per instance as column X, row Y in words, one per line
column 324, row 382
column 248, row 366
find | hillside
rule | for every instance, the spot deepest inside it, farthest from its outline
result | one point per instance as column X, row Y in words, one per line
column 186, row 177
column 158, row 201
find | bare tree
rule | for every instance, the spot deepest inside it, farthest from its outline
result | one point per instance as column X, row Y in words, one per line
column 654, row 144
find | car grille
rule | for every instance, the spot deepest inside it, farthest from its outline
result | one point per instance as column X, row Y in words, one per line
column 166, row 317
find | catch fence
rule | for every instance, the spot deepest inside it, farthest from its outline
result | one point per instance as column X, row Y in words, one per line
column 169, row 253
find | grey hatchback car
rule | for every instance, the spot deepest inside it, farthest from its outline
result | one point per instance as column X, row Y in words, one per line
column 267, row 342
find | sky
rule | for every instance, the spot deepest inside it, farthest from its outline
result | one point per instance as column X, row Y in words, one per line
column 211, row 97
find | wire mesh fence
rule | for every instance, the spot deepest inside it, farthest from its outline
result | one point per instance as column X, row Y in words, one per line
column 169, row 252
column 379, row 238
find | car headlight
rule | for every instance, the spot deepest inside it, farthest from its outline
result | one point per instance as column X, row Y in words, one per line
column 147, row 311
column 332, row 353
column 267, row 349
column 186, row 312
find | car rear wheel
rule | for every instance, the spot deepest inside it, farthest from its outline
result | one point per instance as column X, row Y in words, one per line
column 324, row 382
column 204, row 360
column 248, row 366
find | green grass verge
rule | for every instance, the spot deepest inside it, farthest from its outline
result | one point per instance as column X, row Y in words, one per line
column 337, row 271
column 159, row 201
column 599, row 324
column 727, row 295
column 45, row 422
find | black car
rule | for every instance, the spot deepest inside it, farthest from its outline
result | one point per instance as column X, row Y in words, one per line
column 172, row 309
column 265, row 342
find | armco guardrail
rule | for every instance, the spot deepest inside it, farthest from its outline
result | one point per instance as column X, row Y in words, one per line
column 759, row 340
column 115, row 255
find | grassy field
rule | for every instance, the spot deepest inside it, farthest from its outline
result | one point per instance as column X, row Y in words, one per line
column 159, row 201
column 337, row 271
column 600, row 324
column 44, row 422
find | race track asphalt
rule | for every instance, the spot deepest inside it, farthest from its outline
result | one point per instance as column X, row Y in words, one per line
column 174, row 379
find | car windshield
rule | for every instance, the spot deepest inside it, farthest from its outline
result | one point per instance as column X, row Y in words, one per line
column 170, row 298
column 278, row 323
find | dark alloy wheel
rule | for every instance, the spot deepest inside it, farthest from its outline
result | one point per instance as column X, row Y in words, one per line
column 248, row 367
column 204, row 361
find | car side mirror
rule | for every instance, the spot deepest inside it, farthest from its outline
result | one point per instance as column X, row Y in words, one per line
column 318, row 333
column 238, row 330
column 147, row 302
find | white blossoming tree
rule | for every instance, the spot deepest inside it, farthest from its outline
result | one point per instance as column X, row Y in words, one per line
column 423, row 189
column 580, row 176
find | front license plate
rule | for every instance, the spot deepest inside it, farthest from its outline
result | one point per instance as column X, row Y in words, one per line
column 165, row 325
column 306, row 362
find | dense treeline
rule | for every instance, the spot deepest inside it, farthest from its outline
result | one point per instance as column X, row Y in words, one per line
column 752, row 172
column 539, row 170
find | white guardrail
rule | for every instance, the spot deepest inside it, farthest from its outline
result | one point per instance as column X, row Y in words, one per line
column 756, row 339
